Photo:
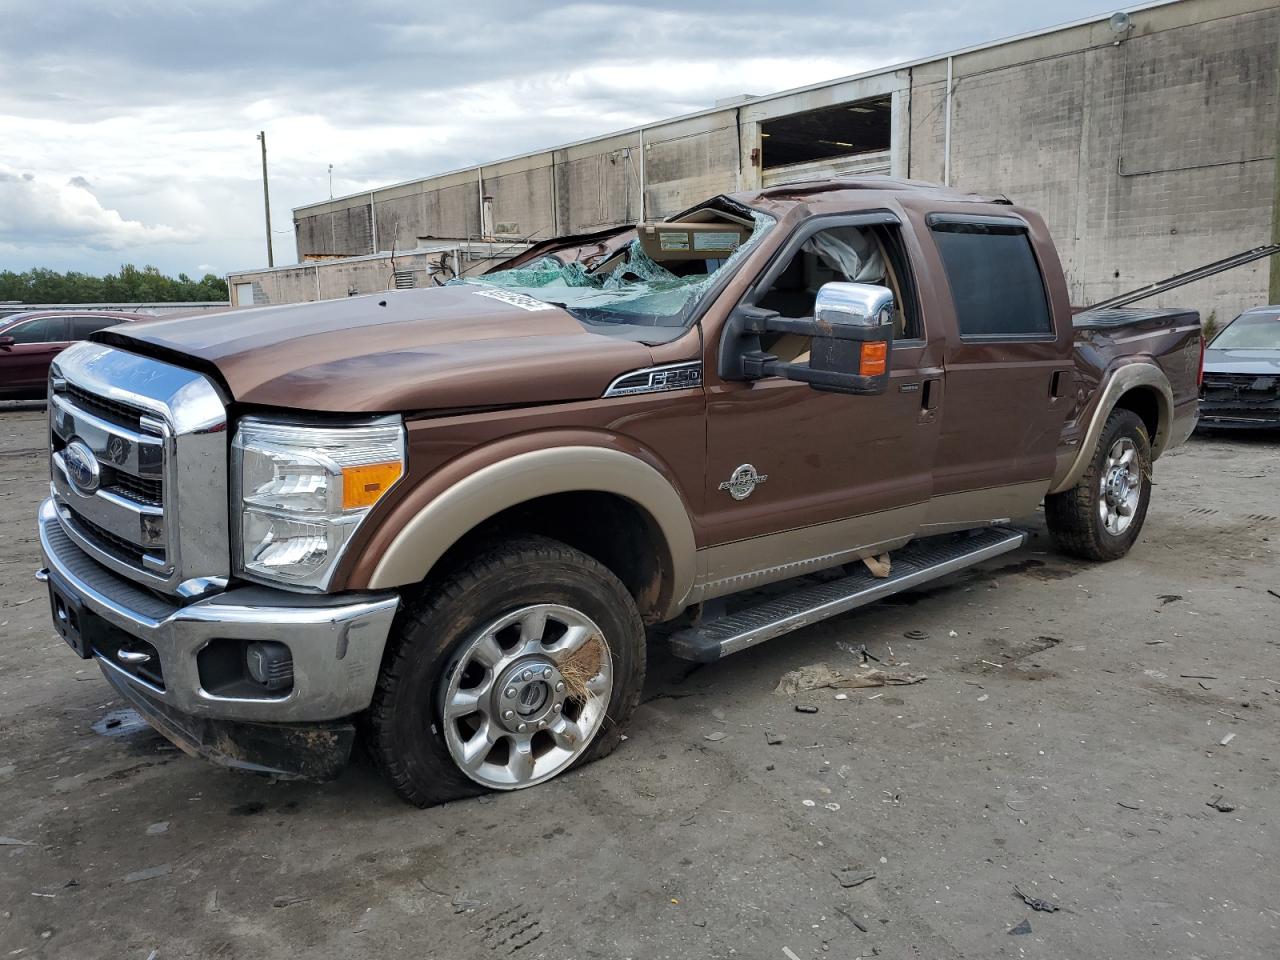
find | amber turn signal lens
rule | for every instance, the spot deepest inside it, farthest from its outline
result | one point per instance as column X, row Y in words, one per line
column 874, row 360
column 364, row 485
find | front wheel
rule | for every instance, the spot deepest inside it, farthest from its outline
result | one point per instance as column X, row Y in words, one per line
column 519, row 666
column 1101, row 517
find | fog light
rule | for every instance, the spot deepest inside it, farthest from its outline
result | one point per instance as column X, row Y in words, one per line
column 270, row 664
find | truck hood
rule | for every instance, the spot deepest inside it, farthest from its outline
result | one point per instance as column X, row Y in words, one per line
column 441, row 348
column 1261, row 362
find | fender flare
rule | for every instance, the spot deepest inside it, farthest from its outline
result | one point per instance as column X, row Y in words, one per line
column 1130, row 376
column 448, row 517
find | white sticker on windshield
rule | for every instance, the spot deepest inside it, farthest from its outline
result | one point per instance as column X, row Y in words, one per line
column 515, row 299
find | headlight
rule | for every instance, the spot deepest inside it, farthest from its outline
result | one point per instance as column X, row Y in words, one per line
column 303, row 490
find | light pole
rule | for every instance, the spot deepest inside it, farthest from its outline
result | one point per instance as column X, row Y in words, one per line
column 331, row 181
column 266, row 196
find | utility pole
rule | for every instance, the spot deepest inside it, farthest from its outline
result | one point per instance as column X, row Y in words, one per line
column 1274, row 286
column 266, row 196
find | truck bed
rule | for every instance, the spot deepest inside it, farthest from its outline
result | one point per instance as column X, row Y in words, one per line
column 1107, row 340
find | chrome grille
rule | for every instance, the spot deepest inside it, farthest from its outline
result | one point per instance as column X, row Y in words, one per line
column 110, row 410
column 139, row 489
column 104, row 538
column 134, row 445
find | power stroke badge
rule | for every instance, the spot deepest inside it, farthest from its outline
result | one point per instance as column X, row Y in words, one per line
column 743, row 482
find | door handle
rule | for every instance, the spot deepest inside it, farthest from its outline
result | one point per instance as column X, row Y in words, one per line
column 1058, row 384
column 930, row 393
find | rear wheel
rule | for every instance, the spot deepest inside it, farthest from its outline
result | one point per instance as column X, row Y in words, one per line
column 1101, row 517
column 523, row 664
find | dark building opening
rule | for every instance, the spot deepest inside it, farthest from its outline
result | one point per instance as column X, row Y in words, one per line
column 845, row 130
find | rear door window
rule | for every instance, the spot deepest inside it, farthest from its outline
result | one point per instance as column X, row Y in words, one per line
column 81, row 327
column 995, row 281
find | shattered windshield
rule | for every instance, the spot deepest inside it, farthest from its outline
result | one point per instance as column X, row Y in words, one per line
column 628, row 289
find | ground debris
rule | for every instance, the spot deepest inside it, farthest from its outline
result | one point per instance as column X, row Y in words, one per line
column 716, row 736
column 288, row 901
column 773, row 739
column 852, row 919
column 1022, row 928
column 853, row 876
column 1219, row 804
column 149, row 873
column 15, row 842
column 806, row 708
column 1036, row 903
column 878, row 566
column 818, row 675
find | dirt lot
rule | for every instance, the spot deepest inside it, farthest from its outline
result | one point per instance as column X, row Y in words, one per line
column 1072, row 729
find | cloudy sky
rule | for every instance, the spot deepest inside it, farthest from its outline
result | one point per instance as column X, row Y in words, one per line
column 127, row 127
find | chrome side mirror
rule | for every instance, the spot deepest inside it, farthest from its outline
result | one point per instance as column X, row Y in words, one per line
column 849, row 338
column 849, row 352
column 860, row 304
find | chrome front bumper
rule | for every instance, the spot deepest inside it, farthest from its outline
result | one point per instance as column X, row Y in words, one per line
column 336, row 641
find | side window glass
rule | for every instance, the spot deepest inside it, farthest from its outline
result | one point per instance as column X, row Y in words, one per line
column 995, row 281
column 837, row 254
column 81, row 327
column 43, row 330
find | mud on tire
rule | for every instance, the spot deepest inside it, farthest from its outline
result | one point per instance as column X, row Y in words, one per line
column 1101, row 517
column 443, row 634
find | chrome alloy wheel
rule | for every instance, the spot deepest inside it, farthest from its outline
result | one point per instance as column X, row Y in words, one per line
column 526, row 696
column 1121, row 487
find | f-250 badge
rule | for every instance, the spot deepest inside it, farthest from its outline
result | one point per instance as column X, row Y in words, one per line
column 742, row 483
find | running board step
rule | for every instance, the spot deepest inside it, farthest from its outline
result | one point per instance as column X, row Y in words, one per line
column 918, row 562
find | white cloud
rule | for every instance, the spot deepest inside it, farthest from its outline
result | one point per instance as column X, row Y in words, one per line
column 38, row 210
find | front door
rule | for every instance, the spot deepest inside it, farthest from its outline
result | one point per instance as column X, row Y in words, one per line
column 35, row 343
column 799, row 479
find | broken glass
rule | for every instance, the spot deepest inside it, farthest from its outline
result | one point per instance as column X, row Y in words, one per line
column 630, row 288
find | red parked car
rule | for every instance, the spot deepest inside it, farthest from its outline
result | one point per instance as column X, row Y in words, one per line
column 29, row 341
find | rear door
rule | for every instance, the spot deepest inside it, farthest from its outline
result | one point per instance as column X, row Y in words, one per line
column 1009, row 371
column 25, row 363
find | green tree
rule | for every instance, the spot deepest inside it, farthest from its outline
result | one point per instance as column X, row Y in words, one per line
column 148, row 285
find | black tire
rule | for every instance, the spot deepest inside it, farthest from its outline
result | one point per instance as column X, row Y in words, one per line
column 404, row 723
column 1075, row 516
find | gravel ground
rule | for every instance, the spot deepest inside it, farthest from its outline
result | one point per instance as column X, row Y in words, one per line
column 1069, row 738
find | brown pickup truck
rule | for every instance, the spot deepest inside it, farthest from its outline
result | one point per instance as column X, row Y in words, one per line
column 442, row 518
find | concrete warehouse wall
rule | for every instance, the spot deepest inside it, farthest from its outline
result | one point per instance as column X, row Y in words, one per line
column 1147, row 157
column 1149, row 152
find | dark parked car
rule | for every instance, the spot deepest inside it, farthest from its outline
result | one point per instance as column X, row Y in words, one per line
column 1242, row 372
column 29, row 341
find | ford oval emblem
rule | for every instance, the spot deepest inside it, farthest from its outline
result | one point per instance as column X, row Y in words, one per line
column 82, row 467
